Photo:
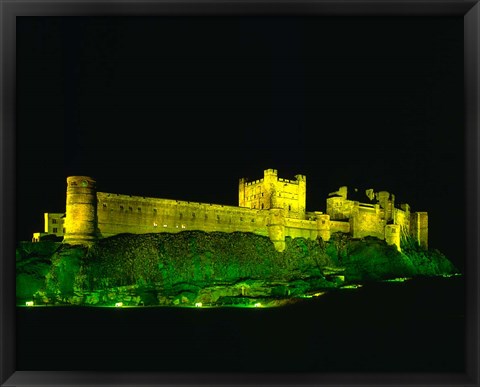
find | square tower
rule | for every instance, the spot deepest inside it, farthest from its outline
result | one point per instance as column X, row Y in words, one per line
column 274, row 192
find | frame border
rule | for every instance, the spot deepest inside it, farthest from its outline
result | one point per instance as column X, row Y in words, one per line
column 10, row 9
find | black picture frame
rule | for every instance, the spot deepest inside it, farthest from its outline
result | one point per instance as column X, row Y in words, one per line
column 470, row 10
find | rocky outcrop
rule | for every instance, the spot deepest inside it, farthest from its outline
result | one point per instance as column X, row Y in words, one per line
column 197, row 268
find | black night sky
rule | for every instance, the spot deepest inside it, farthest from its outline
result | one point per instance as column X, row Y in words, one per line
column 182, row 107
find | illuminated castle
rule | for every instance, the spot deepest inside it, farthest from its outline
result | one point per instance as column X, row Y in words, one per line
column 271, row 206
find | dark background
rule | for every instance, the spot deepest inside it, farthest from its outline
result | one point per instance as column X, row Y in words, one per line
column 182, row 107
column 416, row 326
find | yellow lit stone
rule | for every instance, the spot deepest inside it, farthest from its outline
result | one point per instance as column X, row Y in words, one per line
column 271, row 206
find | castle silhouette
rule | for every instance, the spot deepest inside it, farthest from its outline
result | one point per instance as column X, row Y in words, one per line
column 271, row 206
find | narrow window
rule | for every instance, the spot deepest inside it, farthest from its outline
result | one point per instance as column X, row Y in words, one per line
column 193, row 214
column 104, row 205
column 289, row 208
column 121, row 208
column 181, row 215
column 64, row 230
column 154, row 210
column 262, row 206
column 54, row 221
column 241, row 219
column 54, row 229
column 130, row 208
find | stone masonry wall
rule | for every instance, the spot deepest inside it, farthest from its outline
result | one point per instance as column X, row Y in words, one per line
column 419, row 227
column 367, row 222
column 274, row 192
column 135, row 214
column 91, row 214
column 338, row 226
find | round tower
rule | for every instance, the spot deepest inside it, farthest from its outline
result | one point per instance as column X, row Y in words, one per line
column 323, row 226
column 81, row 211
column 392, row 235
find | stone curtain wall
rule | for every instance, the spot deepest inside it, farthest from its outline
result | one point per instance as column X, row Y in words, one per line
column 138, row 215
column 298, row 228
column 338, row 226
column 367, row 222
column 339, row 208
column 91, row 215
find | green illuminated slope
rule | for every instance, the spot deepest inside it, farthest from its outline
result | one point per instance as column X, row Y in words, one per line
column 197, row 268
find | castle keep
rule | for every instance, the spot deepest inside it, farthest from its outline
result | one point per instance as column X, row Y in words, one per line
column 271, row 206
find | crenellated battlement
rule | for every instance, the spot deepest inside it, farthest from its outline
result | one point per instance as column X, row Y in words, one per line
column 271, row 206
column 255, row 182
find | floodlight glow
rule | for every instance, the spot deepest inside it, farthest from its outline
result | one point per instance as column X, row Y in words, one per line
column 119, row 304
column 354, row 286
column 400, row 279
column 198, row 304
column 29, row 303
column 257, row 305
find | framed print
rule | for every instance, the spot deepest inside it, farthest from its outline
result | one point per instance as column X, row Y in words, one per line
column 222, row 192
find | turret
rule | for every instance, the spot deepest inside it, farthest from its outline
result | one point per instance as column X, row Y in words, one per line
column 302, row 195
column 81, row 211
column 241, row 192
column 323, row 226
column 270, row 178
column 392, row 235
